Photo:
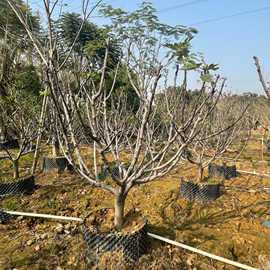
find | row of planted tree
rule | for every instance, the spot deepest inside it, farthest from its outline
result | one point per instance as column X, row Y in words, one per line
column 114, row 100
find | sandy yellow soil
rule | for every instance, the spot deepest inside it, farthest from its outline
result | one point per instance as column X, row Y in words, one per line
column 230, row 227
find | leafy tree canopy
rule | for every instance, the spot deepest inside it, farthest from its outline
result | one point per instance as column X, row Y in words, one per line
column 9, row 23
column 91, row 41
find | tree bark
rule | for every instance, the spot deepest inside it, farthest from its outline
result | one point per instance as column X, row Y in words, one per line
column 41, row 122
column 119, row 207
column 15, row 169
column 262, row 80
column 3, row 130
column 200, row 174
column 55, row 147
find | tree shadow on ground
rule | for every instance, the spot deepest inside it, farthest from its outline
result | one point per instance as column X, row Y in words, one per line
column 183, row 218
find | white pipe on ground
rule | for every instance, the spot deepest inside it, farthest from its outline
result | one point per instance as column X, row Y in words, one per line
column 43, row 216
column 241, row 159
column 209, row 255
column 192, row 249
column 254, row 173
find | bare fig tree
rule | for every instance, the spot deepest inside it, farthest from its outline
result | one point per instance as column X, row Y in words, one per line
column 265, row 86
column 17, row 111
column 222, row 118
column 23, row 122
column 264, row 83
column 90, row 112
column 225, row 126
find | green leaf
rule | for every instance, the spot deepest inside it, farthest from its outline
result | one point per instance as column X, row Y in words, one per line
column 190, row 64
column 207, row 77
column 46, row 92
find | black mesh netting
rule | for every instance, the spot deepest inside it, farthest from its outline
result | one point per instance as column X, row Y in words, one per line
column 203, row 193
column 20, row 186
column 224, row 172
column 10, row 144
column 189, row 190
column 133, row 245
column 55, row 163
column 4, row 217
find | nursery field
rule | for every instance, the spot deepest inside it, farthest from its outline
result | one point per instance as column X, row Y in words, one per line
column 123, row 147
column 230, row 227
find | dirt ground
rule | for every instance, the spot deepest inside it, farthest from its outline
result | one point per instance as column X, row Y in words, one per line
column 230, row 227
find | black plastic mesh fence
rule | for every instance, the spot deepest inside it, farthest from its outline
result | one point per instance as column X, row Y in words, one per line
column 204, row 193
column 10, row 144
column 133, row 245
column 224, row 172
column 20, row 186
column 55, row 163
column 209, row 192
column 189, row 190
column 4, row 217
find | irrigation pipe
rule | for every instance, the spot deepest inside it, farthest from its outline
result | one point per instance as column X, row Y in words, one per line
column 254, row 173
column 250, row 190
column 242, row 159
column 192, row 249
column 247, row 172
column 43, row 216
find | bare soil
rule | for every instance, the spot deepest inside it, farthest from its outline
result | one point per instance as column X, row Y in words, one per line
column 230, row 226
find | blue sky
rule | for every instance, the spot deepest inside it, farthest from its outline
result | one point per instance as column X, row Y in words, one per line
column 231, row 42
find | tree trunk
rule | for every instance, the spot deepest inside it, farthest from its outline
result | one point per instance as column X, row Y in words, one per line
column 15, row 169
column 55, row 148
column 200, row 174
column 119, row 206
column 2, row 129
column 41, row 122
